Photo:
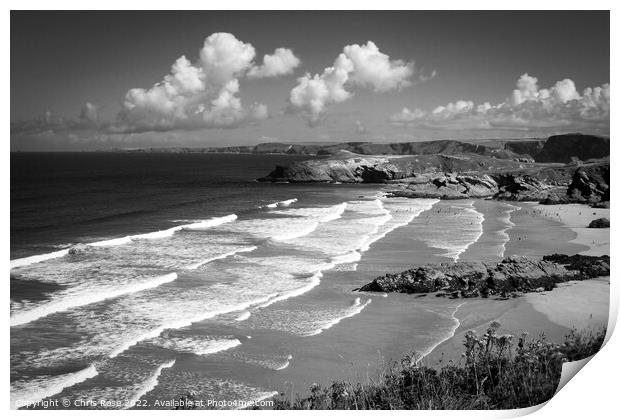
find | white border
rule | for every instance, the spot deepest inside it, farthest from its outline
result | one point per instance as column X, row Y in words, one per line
column 590, row 395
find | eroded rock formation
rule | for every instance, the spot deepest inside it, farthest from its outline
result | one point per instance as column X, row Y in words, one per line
column 511, row 275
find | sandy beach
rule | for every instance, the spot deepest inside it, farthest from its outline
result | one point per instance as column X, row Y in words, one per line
column 579, row 305
column 576, row 217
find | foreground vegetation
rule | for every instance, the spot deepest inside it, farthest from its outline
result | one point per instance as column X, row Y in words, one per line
column 494, row 373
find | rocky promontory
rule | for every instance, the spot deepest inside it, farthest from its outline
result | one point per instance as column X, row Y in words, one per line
column 451, row 170
column 511, row 276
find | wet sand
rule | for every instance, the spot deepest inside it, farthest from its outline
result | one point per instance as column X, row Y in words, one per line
column 576, row 217
column 541, row 230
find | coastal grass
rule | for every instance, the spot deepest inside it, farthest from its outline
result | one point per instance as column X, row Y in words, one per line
column 495, row 372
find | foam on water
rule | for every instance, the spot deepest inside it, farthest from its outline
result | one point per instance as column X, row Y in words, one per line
column 74, row 298
column 403, row 212
column 185, row 320
column 196, row 344
column 285, row 364
column 145, row 315
column 243, row 316
column 363, row 223
column 206, row 387
column 288, row 223
column 28, row 392
column 128, row 321
column 353, row 310
column 315, row 280
column 346, row 234
column 342, row 241
column 322, row 214
column 20, row 262
column 449, row 334
column 351, row 257
column 284, row 203
column 456, row 227
column 203, row 224
column 305, row 318
column 267, row 361
column 123, row 382
column 150, row 383
column 508, row 225
column 93, row 274
column 221, row 257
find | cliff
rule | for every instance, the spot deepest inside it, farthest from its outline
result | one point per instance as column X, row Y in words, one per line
column 590, row 183
column 567, row 147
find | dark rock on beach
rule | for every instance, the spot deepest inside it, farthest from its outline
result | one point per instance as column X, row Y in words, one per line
column 512, row 275
column 601, row 223
column 589, row 266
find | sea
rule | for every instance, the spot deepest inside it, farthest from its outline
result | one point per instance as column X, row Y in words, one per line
column 139, row 278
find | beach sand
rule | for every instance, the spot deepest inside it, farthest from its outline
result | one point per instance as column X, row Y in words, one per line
column 576, row 217
column 574, row 305
column 541, row 230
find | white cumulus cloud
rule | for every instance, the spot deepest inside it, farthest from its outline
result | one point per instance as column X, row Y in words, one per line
column 357, row 66
column 527, row 107
column 280, row 63
column 203, row 94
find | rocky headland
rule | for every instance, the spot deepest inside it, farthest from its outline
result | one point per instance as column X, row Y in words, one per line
column 507, row 278
column 572, row 168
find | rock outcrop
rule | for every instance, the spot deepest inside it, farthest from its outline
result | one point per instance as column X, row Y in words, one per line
column 348, row 167
column 448, row 186
column 589, row 266
column 590, row 184
column 601, row 223
column 504, row 186
column 512, row 275
column 517, row 187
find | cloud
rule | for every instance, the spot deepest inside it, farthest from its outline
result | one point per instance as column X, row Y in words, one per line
column 90, row 113
column 357, row 66
column 281, row 62
column 203, row 94
column 528, row 107
column 49, row 123
column 224, row 57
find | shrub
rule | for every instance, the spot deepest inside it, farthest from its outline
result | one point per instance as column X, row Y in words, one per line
column 496, row 372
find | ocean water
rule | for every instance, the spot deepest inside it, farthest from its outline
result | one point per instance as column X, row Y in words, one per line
column 143, row 277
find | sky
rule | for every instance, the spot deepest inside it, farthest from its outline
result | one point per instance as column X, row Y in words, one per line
column 104, row 80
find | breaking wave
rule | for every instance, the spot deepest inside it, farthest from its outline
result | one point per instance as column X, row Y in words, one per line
column 204, row 224
column 34, row 391
column 73, row 300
